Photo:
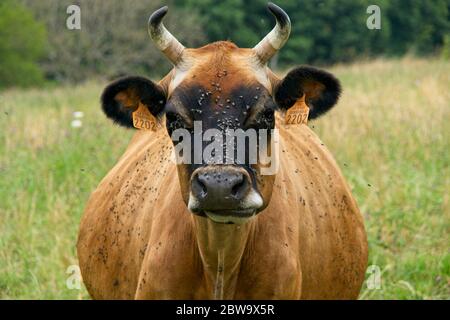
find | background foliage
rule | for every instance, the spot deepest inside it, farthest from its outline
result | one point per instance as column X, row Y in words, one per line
column 22, row 43
column 113, row 38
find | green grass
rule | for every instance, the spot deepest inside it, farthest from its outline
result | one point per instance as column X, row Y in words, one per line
column 389, row 133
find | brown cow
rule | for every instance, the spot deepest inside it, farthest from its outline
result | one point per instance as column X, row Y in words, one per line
column 222, row 230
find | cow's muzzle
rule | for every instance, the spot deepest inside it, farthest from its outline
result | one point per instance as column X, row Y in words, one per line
column 224, row 193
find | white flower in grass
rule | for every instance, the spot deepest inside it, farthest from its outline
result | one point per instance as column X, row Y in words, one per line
column 78, row 114
column 76, row 123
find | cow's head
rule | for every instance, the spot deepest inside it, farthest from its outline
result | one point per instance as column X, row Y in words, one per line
column 221, row 87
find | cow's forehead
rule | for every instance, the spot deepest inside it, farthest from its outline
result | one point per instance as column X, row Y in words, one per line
column 220, row 67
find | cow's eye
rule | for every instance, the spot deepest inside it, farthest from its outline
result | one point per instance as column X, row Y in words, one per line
column 268, row 115
column 264, row 120
column 175, row 121
column 268, row 119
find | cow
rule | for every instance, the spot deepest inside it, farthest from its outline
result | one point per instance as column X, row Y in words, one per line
column 160, row 228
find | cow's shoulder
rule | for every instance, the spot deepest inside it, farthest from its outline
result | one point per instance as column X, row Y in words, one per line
column 119, row 215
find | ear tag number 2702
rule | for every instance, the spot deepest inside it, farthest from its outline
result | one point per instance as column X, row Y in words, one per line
column 298, row 113
column 143, row 119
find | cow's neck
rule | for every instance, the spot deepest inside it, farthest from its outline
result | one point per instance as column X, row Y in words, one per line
column 221, row 249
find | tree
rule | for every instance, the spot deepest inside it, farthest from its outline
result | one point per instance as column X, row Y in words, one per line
column 113, row 39
column 235, row 20
column 329, row 31
column 420, row 28
column 23, row 42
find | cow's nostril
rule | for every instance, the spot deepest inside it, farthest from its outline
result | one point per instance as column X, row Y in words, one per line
column 238, row 188
column 199, row 187
column 203, row 190
column 220, row 189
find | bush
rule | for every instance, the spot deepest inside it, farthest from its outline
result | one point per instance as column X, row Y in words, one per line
column 23, row 42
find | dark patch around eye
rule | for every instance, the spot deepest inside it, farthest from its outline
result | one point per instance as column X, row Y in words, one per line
column 243, row 107
column 175, row 121
column 263, row 119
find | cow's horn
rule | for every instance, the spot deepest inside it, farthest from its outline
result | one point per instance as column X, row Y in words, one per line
column 163, row 39
column 276, row 38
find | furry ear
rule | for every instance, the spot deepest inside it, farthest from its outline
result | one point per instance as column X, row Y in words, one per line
column 321, row 89
column 122, row 97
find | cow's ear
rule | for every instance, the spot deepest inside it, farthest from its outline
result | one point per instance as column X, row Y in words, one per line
column 321, row 90
column 122, row 97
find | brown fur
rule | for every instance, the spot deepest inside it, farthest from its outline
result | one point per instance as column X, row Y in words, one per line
column 137, row 239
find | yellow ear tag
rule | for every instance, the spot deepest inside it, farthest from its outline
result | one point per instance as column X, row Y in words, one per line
column 143, row 119
column 298, row 113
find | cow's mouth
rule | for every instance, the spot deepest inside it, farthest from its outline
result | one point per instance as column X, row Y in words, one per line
column 237, row 213
column 231, row 216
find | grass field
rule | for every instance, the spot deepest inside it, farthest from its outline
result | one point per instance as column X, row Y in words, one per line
column 390, row 134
